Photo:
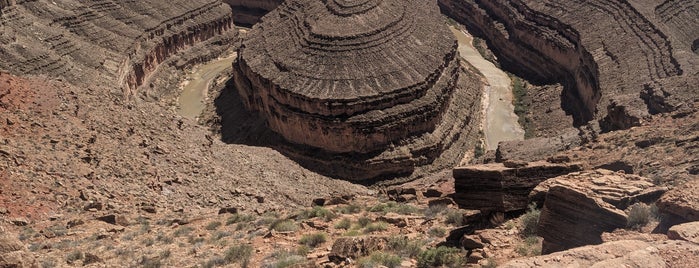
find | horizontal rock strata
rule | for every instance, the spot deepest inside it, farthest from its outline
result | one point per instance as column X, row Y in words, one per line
column 494, row 187
column 391, row 81
column 579, row 207
column 555, row 41
column 110, row 42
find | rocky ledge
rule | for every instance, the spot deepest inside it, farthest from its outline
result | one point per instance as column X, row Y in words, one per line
column 384, row 95
column 503, row 188
column 580, row 206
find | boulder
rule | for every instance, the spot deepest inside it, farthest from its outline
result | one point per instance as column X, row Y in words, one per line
column 580, row 206
column 687, row 231
column 355, row 247
column 682, row 201
column 14, row 254
column 495, row 187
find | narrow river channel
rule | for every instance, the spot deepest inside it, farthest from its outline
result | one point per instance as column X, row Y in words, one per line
column 500, row 122
column 191, row 101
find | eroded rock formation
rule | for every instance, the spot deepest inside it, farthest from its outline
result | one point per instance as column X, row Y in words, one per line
column 579, row 207
column 603, row 65
column 381, row 95
column 682, row 201
column 112, row 42
column 495, row 187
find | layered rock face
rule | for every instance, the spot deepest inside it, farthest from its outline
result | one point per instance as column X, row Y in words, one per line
column 111, row 42
column 356, row 78
column 604, row 65
column 249, row 12
column 495, row 187
column 579, row 207
column 682, row 201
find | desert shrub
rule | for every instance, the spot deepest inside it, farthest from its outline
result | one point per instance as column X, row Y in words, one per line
column 74, row 256
column 437, row 232
column 441, row 256
column 531, row 247
column 238, row 254
column 352, row 233
column 313, row 240
column 530, row 221
column 379, row 258
column 489, row 263
column 284, row 226
column 164, row 238
column 237, row 217
column 454, row 217
column 376, row 227
column 349, row 209
column 404, row 246
column 363, row 221
column 345, row 223
column 213, row 225
column 214, row 262
column 394, row 207
column 317, row 212
column 638, row 216
column 432, row 211
column 181, row 231
column 219, row 234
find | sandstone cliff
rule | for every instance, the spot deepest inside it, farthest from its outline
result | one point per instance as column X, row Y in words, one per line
column 115, row 43
column 380, row 94
column 603, row 71
column 579, row 207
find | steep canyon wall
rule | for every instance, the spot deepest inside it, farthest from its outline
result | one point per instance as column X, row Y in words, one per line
column 117, row 43
column 604, row 65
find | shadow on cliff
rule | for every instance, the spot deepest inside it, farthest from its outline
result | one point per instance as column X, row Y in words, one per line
column 240, row 126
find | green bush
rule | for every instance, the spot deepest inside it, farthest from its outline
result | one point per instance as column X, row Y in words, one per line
column 379, row 258
column 454, row 217
column 236, row 218
column 363, row 221
column 213, row 225
column 639, row 215
column 349, row 209
column 284, row 226
column 285, row 258
column 404, row 246
column 239, row 254
column 530, row 221
column 345, row 224
column 313, row 240
column 437, row 232
column 432, row 211
column 441, row 256
column 394, row 207
column 376, row 227
column 317, row 212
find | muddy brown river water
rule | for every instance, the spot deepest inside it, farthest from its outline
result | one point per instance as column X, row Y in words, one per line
column 194, row 91
column 500, row 122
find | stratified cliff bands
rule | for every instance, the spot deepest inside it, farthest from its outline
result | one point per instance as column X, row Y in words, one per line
column 120, row 43
column 389, row 81
column 603, row 52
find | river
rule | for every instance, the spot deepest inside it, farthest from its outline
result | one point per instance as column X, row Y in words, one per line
column 500, row 122
column 194, row 91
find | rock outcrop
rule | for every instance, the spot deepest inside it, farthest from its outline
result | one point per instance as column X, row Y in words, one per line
column 105, row 42
column 13, row 253
column 249, row 12
column 381, row 96
column 554, row 41
column 682, row 202
column 624, row 253
column 686, row 231
column 579, row 207
column 495, row 187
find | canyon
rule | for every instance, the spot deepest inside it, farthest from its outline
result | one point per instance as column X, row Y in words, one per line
column 347, row 133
